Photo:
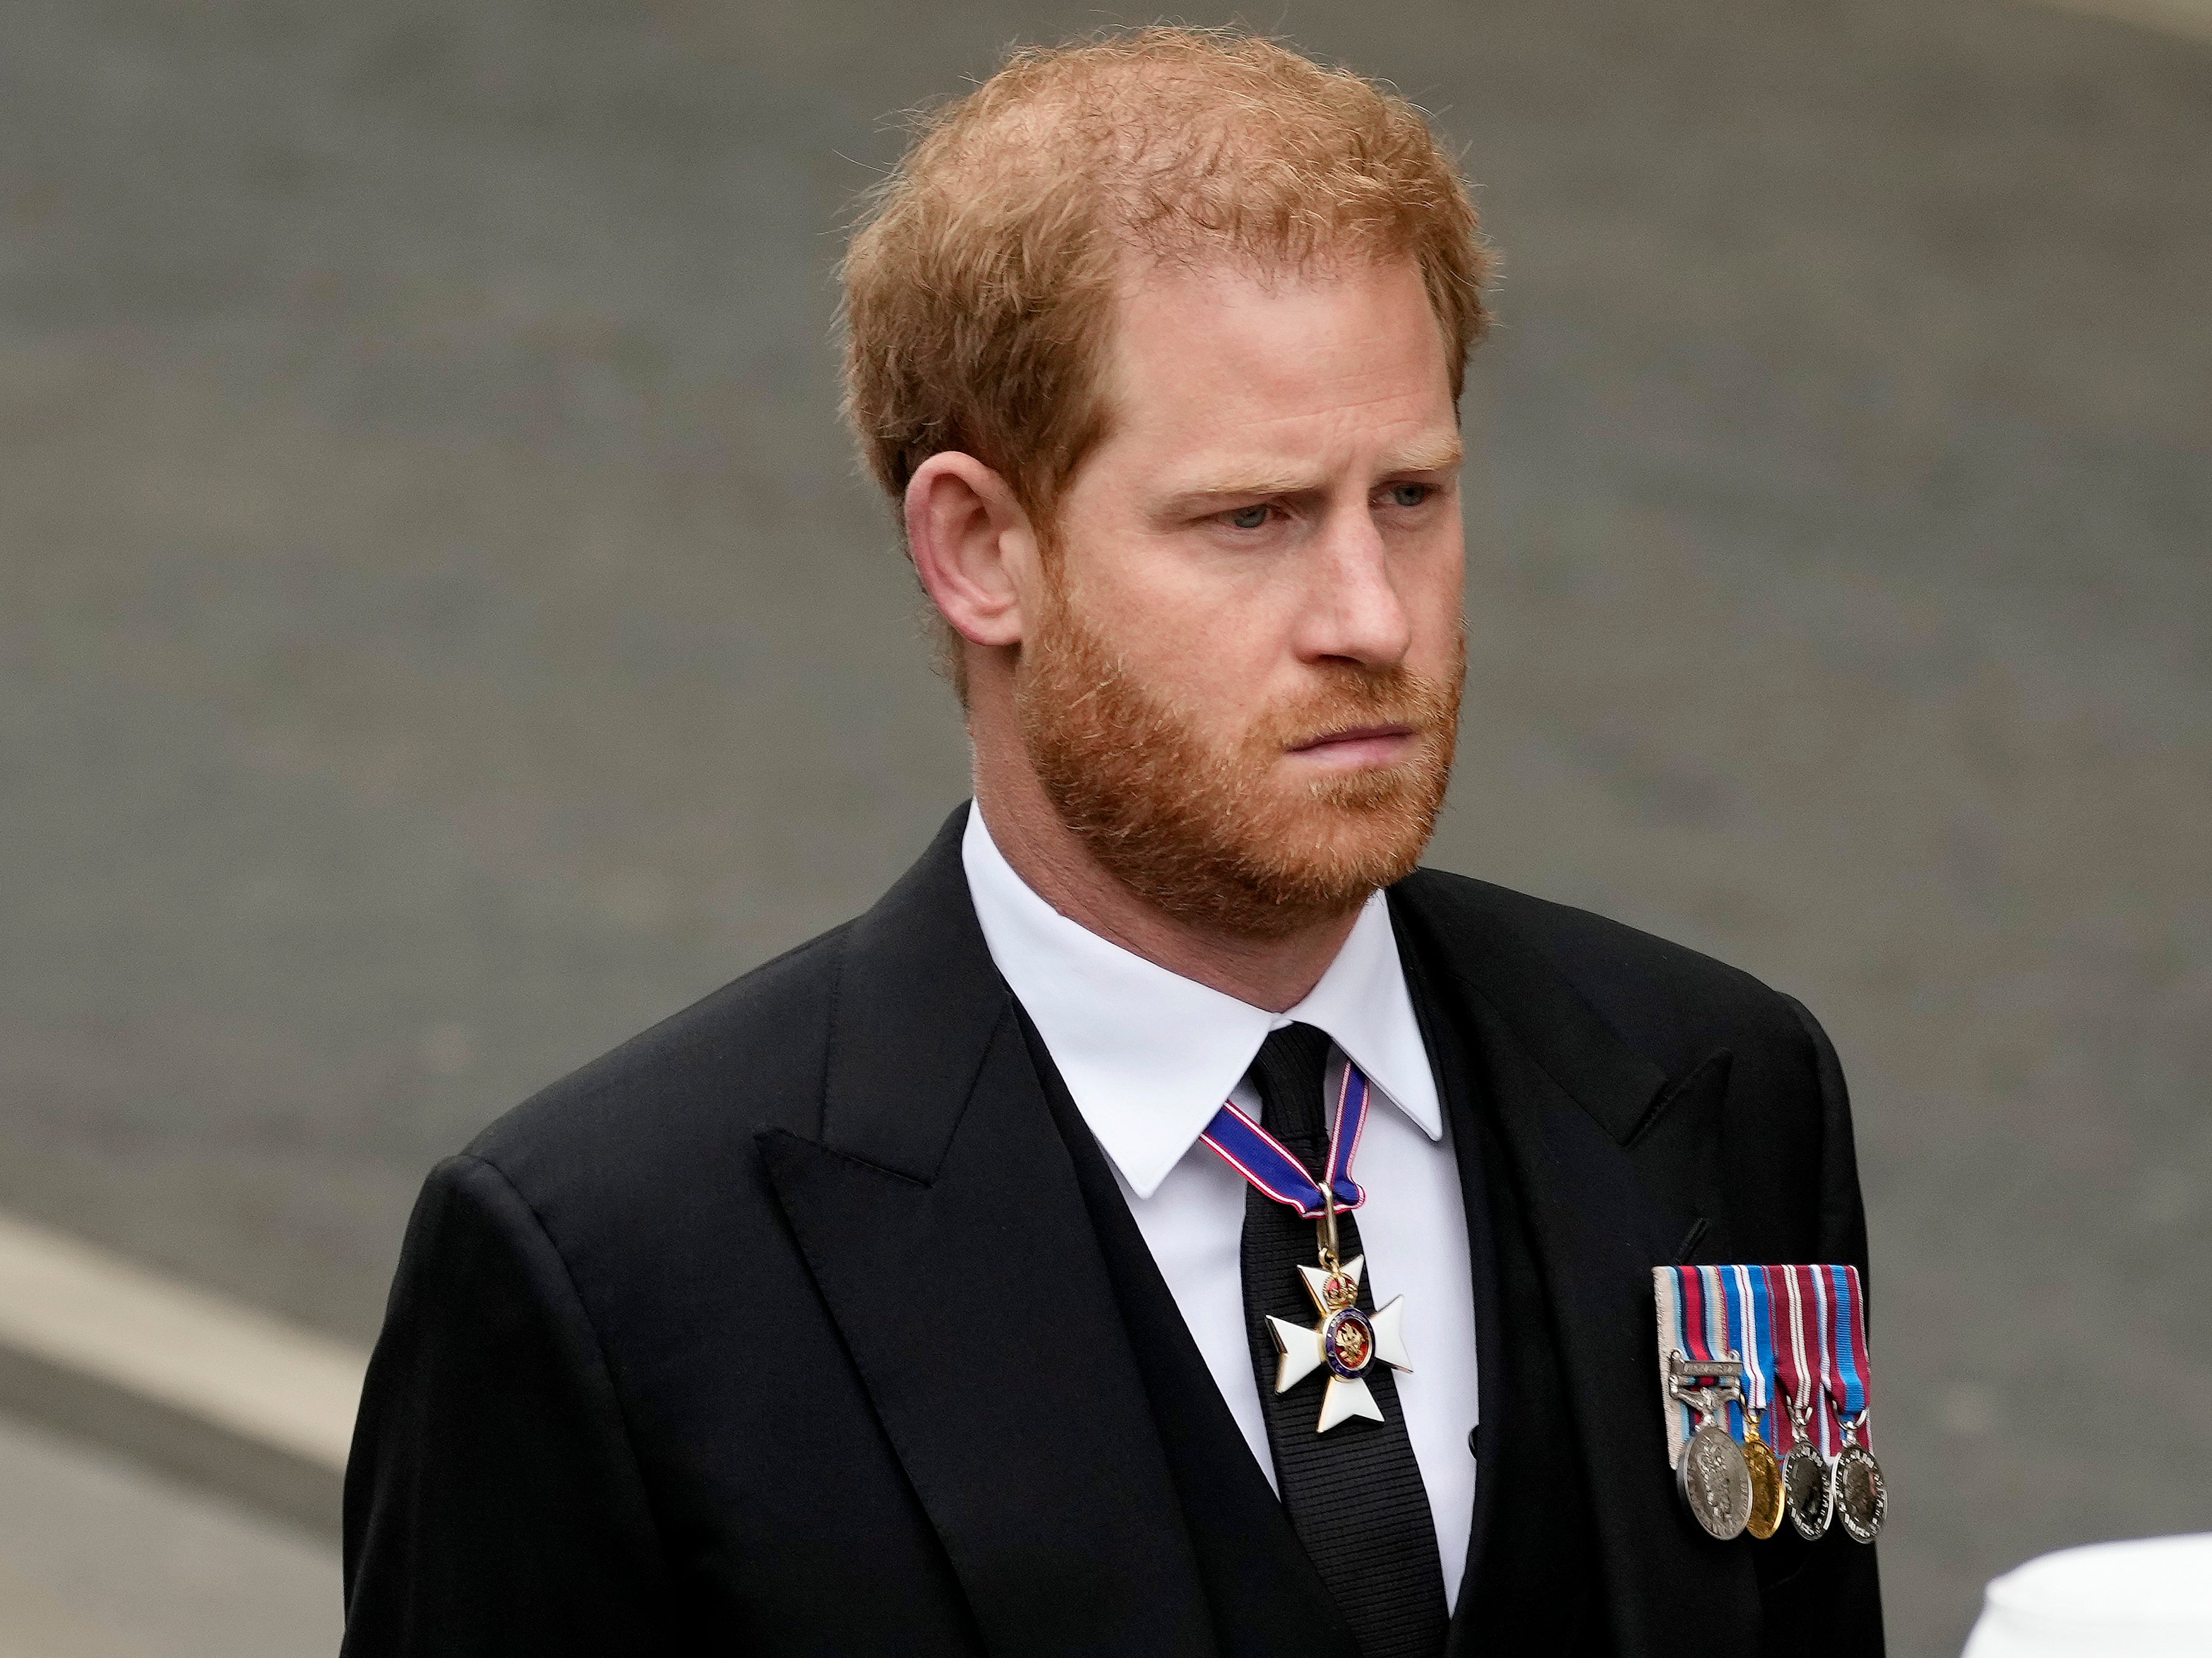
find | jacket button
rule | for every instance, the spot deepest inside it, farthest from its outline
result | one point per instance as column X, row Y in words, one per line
column 1471, row 1448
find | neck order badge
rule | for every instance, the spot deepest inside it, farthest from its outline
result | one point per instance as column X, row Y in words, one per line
column 1347, row 1341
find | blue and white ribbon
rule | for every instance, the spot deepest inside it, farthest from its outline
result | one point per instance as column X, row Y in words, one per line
column 1753, row 1321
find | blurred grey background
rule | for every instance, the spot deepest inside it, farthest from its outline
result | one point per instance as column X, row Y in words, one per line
column 443, row 629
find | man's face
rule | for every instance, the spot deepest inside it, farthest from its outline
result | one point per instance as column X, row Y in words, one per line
column 1242, row 686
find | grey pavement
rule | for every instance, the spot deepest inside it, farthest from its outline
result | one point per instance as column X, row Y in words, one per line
column 442, row 629
column 100, row 1560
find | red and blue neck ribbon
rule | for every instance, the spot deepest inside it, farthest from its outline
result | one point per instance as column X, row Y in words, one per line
column 1275, row 1172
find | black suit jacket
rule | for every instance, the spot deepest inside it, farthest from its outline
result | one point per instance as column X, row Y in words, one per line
column 787, row 1327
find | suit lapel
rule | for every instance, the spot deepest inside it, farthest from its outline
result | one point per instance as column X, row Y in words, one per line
column 1562, row 1093
column 939, row 1216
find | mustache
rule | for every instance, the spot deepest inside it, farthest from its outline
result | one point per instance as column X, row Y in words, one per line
column 1423, row 703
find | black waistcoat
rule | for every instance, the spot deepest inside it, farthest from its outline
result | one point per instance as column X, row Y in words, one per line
column 1530, row 1551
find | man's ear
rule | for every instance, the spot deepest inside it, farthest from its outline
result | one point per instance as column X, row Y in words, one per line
column 972, row 546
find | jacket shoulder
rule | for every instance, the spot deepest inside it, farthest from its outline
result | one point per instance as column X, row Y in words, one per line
column 688, row 1093
column 1668, row 1002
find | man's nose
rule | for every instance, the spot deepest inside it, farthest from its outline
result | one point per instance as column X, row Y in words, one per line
column 1353, row 611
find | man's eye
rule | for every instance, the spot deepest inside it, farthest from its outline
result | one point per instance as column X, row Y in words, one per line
column 1409, row 494
column 1249, row 518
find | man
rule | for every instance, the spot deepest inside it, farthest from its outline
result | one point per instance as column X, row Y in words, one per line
column 921, row 1292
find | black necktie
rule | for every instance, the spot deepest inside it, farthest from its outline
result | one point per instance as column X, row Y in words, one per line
column 1354, row 1494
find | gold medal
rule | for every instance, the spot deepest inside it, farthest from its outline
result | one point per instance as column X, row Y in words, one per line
column 1767, row 1497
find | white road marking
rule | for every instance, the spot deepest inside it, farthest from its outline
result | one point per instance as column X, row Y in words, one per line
column 84, row 1309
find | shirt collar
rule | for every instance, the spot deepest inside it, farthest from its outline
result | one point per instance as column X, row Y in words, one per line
column 1150, row 1056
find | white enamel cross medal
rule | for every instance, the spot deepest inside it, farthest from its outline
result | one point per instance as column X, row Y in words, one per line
column 1346, row 1340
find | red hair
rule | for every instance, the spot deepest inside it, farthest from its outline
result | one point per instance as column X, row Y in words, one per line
column 978, row 284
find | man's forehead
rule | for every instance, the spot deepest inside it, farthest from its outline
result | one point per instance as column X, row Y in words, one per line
column 1245, row 366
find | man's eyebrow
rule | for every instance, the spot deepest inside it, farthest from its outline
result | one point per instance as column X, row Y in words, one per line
column 1221, row 485
column 1442, row 456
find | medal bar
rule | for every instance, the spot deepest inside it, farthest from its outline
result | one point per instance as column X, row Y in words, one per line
column 1765, row 1379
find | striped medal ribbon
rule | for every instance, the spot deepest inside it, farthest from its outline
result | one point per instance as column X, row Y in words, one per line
column 1347, row 1341
column 1744, row 1290
column 1706, row 1375
column 1861, row 1499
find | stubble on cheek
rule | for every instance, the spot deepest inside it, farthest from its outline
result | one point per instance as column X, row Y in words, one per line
column 1210, row 829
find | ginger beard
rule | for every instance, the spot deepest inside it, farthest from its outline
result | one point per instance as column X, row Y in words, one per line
column 1205, row 826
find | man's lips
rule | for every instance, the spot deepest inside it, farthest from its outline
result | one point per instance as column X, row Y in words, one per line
column 1357, row 745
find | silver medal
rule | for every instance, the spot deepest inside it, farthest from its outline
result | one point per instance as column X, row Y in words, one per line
column 1807, row 1491
column 1713, row 1478
column 1715, row 1481
column 1862, row 1502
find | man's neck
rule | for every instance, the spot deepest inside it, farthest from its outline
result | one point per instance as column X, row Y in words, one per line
column 1273, row 973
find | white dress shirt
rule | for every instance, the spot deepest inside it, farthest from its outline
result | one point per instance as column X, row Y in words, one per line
column 1149, row 1056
